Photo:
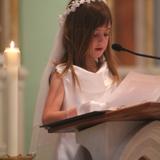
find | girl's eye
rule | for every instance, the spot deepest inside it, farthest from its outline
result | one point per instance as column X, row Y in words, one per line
column 95, row 35
column 107, row 34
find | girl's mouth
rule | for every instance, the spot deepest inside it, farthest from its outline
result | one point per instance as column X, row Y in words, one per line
column 99, row 49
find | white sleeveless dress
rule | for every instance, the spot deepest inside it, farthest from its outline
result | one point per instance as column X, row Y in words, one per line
column 93, row 87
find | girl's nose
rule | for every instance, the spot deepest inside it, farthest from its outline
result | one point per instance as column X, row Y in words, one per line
column 101, row 38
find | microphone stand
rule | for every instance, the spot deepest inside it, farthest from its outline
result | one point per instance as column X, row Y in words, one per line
column 118, row 47
column 139, row 54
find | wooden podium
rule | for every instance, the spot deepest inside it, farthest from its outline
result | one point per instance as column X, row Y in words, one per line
column 131, row 133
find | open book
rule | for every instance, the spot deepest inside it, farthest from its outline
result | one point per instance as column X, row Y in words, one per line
column 136, row 88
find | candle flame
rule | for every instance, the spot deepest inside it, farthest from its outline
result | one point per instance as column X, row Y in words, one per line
column 12, row 44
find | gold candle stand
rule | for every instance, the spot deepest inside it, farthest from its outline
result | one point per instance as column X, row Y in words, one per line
column 20, row 157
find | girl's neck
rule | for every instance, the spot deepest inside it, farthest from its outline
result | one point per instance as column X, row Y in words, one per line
column 91, row 65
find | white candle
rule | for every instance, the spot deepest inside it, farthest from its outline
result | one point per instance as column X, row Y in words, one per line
column 12, row 62
column 12, row 56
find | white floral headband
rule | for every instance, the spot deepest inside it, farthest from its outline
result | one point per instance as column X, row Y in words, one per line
column 73, row 6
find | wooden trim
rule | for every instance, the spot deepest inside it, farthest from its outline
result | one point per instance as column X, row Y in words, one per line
column 111, row 6
column 2, row 27
column 14, row 14
column 149, row 5
column 124, row 28
column 9, row 14
column 149, row 25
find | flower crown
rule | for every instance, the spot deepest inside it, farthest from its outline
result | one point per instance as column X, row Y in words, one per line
column 73, row 6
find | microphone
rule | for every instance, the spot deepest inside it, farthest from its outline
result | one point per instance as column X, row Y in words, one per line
column 118, row 47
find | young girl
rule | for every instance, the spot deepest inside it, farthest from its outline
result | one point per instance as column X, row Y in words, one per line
column 81, row 70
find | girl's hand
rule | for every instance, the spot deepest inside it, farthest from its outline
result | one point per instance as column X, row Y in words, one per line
column 71, row 112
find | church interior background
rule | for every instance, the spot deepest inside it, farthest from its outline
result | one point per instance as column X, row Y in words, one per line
column 33, row 24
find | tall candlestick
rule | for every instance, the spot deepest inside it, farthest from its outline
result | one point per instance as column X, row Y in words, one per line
column 2, row 124
column 12, row 62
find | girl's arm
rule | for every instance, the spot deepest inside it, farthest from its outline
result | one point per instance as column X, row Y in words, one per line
column 52, row 110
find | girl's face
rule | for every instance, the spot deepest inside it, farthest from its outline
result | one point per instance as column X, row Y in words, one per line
column 99, row 41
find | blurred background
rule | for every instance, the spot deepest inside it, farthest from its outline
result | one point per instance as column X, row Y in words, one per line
column 33, row 24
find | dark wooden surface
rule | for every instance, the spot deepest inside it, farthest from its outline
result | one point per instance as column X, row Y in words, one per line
column 147, row 111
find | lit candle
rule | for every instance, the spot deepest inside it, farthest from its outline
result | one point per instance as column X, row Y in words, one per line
column 12, row 56
column 12, row 62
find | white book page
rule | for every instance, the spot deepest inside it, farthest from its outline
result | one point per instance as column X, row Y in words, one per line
column 136, row 88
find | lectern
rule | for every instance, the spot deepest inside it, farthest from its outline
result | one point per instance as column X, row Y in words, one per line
column 131, row 133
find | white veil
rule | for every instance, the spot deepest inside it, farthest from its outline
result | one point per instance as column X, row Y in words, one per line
column 42, row 141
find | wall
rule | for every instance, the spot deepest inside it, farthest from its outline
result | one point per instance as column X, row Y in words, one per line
column 38, row 24
column 156, row 28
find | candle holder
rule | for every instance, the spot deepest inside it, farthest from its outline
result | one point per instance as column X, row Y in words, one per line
column 19, row 157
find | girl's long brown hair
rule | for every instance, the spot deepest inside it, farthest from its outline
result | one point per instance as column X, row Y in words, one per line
column 78, row 30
